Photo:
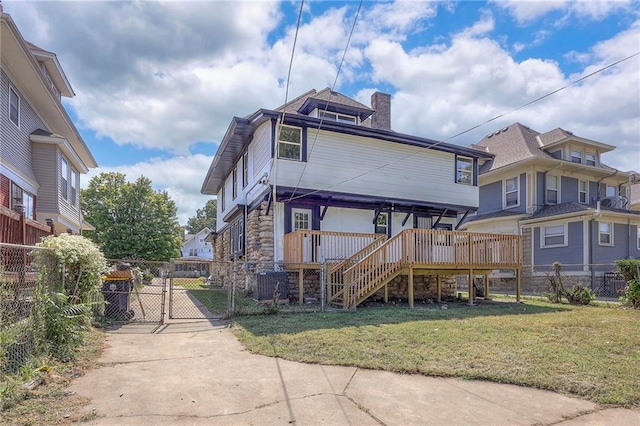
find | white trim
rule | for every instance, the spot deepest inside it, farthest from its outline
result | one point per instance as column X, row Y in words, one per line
column 585, row 244
column 504, row 193
column 14, row 90
column 277, row 154
column 308, row 212
column 586, row 192
column 557, row 189
column 638, row 237
column 611, row 232
column 565, row 235
column 15, row 176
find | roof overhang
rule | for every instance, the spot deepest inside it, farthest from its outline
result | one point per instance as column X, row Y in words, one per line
column 64, row 146
column 50, row 61
column 17, row 58
column 602, row 147
column 313, row 103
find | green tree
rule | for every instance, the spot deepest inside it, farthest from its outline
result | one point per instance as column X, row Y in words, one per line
column 204, row 218
column 132, row 220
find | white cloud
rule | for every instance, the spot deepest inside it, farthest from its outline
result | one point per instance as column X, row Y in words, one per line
column 525, row 12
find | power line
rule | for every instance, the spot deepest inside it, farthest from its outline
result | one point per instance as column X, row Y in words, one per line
column 471, row 128
column 326, row 106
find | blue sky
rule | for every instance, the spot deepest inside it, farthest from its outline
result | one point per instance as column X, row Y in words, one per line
column 158, row 83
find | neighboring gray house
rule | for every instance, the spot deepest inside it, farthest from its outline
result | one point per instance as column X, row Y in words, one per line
column 41, row 152
column 553, row 189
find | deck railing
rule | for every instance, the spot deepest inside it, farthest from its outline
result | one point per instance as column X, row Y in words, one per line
column 430, row 249
column 314, row 247
column 16, row 228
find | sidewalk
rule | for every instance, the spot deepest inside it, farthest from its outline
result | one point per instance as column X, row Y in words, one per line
column 196, row 373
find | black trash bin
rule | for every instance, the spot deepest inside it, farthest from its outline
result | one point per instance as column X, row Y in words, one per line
column 117, row 295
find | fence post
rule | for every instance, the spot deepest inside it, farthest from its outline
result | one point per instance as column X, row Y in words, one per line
column 323, row 283
column 233, row 284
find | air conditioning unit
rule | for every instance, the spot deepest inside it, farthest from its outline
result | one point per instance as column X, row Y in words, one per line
column 614, row 202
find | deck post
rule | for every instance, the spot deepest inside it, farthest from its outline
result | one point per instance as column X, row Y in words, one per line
column 439, row 288
column 386, row 293
column 518, row 285
column 486, row 286
column 411, row 287
column 301, row 286
column 471, row 287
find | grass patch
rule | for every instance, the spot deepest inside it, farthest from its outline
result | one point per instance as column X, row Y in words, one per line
column 586, row 351
column 50, row 403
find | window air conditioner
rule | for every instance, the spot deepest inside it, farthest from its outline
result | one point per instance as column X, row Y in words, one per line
column 614, row 202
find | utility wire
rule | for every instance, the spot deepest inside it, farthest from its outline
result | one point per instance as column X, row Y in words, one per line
column 471, row 128
column 326, row 106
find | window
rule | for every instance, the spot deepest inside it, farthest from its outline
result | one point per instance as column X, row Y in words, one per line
column 382, row 224
column 464, row 170
column 583, row 192
column 245, row 169
column 14, row 107
column 74, row 185
column 22, row 201
column 591, row 159
column 611, row 191
column 511, row 192
column 340, row 118
column 64, row 170
column 606, row 234
column 300, row 219
column 638, row 237
column 553, row 189
column 222, row 198
column 236, row 238
column 576, row 156
column 554, row 236
column 290, row 143
column 193, row 252
column 234, row 188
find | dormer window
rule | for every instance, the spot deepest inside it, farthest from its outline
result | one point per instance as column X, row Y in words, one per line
column 591, row 159
column 576, row 156
column 340, row 118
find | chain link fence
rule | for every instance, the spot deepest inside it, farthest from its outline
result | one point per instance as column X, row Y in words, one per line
column 20, row 284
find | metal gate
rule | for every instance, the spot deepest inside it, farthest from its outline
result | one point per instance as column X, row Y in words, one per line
column 196, row 290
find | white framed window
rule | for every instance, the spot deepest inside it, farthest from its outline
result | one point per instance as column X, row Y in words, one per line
column 511, row 192
column 576, row 156
column 638, row 237
column 300, row 219
column 234, row 187
column 611, row 191
column 382, row 224
column 236, row 238
column 464, row 170
column 222, row 196
column 340, row 118
column 14, row 106
column 553, row 236
column 245, row 169
column 553, row 189
column 22, row 201
column 583, row 192
column 590, row 159
column 605, row 233
column 193, row 252
column 73, row 183
column 290, row 143
column 64, row 178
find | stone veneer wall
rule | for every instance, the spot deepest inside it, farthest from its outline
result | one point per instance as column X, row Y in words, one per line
column 259, row 250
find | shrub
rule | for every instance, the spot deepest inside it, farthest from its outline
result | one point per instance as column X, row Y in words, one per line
column 556, row 288
column 628, row 268
column 580, row 295
column 631, row 295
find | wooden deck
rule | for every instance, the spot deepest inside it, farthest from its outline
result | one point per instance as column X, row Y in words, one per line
column 368, row 263
column 15, row 228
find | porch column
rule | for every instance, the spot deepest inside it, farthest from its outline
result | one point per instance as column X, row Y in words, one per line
column 470, row 287
column 386, row 293
column 486, row 286
column 411, row 287
column 518, row 285
column 301, row 286
column 439, row 288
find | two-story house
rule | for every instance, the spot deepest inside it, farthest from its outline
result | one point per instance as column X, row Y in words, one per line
column 196, row 245
column 324, row 177
column 41, row 152
column 554, row 190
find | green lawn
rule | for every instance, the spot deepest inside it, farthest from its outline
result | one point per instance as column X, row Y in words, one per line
column 592, row 352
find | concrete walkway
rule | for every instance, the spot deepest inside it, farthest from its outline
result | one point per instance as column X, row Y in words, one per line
column 197, row 373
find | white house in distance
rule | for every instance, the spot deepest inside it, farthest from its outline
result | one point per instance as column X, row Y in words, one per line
column 324, row 177
column 195, row 245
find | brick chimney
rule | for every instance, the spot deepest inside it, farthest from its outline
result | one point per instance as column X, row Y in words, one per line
column 381, row 104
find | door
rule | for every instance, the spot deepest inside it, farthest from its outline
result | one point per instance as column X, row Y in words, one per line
column 301, row 221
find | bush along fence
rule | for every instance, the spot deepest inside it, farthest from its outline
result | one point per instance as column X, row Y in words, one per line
column 47, row 295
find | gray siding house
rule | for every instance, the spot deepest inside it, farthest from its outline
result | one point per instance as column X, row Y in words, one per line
column 41, row 152
column 554, row 190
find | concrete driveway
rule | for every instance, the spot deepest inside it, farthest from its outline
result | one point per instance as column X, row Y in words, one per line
column 196, row 373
